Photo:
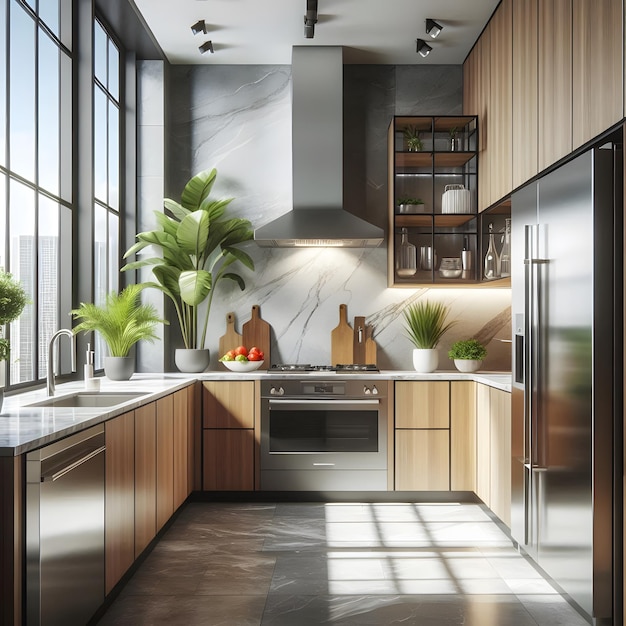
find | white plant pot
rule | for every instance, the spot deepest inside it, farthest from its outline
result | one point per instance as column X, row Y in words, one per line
column 425, row 361
column 119, row 367
column 467, row 365
column 192, row 361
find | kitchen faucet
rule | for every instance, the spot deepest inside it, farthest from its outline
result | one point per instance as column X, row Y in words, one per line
column 52, row 356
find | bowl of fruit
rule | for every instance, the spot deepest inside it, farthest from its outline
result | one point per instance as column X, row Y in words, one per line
column 243, row 360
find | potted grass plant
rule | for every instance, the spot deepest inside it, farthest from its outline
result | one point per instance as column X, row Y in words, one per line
column 468, row 354
column 425, row 324
column 413, row 138
column 121, row 321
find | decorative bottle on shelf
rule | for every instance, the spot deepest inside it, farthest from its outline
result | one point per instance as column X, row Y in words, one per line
column 466, row 255
column 406, row 256
column 492, row 261
column 505, row 253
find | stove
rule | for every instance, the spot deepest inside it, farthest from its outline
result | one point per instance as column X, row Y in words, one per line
column 297, row 368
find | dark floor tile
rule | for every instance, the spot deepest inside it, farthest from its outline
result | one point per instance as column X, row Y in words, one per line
column 244, row 574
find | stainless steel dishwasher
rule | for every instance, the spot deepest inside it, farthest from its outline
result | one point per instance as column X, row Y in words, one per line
column 65, row 530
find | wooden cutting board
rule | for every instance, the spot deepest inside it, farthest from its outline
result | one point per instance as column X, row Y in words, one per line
column 256, row 332
column 370, row 347
column 358, row 347
column 341, row 339
column 231, row 338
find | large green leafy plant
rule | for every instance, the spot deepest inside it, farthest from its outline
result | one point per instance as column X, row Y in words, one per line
column 426, row 323
column 122, row 320
column 13, row 299
column 198, row 245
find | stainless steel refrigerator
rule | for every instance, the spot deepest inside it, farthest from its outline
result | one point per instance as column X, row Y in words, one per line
column 566, row 284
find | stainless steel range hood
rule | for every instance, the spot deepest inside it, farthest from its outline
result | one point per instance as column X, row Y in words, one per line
column 317, row 218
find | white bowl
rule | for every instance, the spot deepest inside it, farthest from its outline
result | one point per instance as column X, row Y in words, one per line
column 242, row 366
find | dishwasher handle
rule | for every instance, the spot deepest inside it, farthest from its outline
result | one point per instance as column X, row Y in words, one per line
column 72, row 466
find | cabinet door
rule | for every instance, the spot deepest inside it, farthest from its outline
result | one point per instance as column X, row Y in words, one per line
column 164, row 460
column 422, row 460
column 555, row 81
column 228, row 459
column 463, row 436
column 483, row 81
column 500, row 404
column 119, row 523
column 181, row 449
column 525, row 103
column 145, row 476
column 483, row 444
column 422, row 404
column 228, row 404
column 598, row 81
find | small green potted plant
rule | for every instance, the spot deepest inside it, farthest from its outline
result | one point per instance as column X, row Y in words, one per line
column 425, row 324
column 413, row 138
column 121, row 321
column 468, row 354
column 410, row 205
column 455, row 140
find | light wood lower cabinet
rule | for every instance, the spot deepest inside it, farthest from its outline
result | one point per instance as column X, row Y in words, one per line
column 119, row 524
column 483, row 444
column 183, row 429
column 145, row 476
column 463, row 436
column 228, row 435
column 164, row 460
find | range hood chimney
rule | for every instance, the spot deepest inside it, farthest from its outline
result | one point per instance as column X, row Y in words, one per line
column 317, row 218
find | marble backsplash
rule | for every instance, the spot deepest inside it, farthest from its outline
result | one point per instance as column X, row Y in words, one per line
column 238, row 120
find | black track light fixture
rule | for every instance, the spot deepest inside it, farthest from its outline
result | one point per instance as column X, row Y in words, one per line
column 433, row 28
column 310, row 19
column 199, row 27
column 423, row 48
column 207, row 46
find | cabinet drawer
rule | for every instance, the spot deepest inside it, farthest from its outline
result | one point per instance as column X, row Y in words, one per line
column 422, row 404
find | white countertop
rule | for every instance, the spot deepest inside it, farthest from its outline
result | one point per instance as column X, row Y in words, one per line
column 24, row 428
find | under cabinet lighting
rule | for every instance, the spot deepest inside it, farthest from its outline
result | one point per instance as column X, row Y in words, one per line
column 423, row 48
column 433, row 28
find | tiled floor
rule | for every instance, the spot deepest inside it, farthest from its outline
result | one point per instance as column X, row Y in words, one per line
column 341, row 564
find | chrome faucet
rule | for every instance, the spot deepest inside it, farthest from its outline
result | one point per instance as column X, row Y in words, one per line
column 52, row 356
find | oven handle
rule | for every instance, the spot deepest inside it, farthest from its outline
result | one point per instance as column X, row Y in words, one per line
column 325, row 403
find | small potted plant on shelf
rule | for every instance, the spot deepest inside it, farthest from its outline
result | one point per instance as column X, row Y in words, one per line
column 468, row 354
column 425, row 324
column 411, row 205
column 455, row 140
column 121, row 322
column 413, row 139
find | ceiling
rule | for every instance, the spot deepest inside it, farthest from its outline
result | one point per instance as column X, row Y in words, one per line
column 255, row 32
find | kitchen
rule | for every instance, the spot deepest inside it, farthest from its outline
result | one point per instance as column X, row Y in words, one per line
column 315, row 282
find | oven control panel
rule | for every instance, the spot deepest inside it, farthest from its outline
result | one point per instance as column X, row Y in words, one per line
column 324, row 388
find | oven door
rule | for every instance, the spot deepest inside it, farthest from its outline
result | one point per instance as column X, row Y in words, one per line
column 323, row 434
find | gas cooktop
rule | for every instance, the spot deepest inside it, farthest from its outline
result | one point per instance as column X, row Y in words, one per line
column 286, row 368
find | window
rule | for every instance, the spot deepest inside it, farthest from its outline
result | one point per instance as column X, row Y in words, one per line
column 35, row 170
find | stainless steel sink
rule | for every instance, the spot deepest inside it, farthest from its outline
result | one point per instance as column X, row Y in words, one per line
column 85, row 399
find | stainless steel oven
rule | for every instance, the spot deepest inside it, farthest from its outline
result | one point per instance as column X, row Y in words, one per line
column 323, row 433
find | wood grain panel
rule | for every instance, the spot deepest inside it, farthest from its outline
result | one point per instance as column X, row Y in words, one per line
column 483, row 444
column 194, row 442
column 164, row 460
column 180, row 445
column 463, row 436
column 145, row 476
column 483, row 81
column 228, row 460
column 597, row 70
column 469, row 84
column 422, row 404
column 422, row 460
column 500, row 403
column 524, row 95
column 228, row 404
column 119, row 507
column 501, row 101
column 555, row 81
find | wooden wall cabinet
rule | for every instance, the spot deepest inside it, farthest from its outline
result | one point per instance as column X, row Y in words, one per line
column 228, row 435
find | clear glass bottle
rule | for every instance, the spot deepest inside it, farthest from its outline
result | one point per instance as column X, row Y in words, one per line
column 505, row 253
column 406, row 256
column 492, row 260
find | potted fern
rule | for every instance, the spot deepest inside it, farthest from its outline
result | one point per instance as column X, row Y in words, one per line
column 121, row 321
column 425, row 324
column 413, row 138
column 468, row 354
column 198, row 246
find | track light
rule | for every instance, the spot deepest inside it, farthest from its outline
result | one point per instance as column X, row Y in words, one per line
column 207, row 46
column 199, row 27
column 423, row 48
column 310, row 19
column 432, row 28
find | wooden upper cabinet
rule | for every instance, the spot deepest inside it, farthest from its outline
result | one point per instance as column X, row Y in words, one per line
column 228, row 404
column 555, row 80
column 525, row 103
column 500, row 119
column 422, row 404
column 598, row 49
column 483, row 82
